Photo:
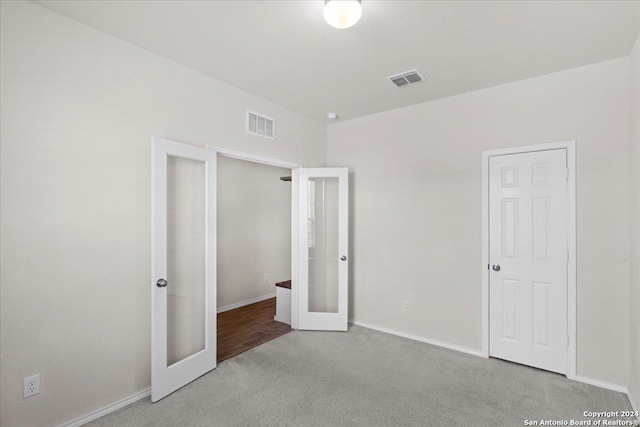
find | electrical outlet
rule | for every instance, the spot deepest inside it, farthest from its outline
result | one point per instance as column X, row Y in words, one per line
column 265, row 278
column 32, row 385
column 406, row 306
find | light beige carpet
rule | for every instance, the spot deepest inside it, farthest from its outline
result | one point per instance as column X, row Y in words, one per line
column 366, row 378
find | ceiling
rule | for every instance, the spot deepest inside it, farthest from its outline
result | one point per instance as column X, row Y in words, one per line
column 285, row 52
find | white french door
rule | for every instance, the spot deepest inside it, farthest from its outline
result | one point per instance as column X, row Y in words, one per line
column 528, row 256
column 320, row 296
column 183, row 288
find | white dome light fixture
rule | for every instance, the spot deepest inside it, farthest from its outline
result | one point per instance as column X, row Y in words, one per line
column 342, row 13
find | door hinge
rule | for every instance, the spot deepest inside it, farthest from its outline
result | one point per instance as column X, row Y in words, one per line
column 566, row 173
column 568, row 257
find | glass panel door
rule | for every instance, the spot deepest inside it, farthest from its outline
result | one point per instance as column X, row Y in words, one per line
column 322, row 287
column 183, row 288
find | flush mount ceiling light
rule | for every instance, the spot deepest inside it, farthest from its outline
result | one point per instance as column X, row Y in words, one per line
column 342, row 13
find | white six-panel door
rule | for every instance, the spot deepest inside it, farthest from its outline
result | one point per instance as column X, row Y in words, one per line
column 320, row 295
column 528, row 255
column 183, row 288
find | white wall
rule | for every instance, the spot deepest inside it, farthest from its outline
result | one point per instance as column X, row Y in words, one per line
column 254, row 230
column 78, row 110
column 634, row 315
column 416, row 205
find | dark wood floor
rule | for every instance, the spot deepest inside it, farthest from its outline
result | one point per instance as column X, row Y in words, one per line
column 247, row 327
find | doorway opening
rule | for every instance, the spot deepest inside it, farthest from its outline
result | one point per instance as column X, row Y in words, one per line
column 253, row 253
column 529, row 256
column 184, row 251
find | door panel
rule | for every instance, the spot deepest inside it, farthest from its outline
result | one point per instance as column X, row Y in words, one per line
column 183, row 289
column 509, row 309
column 528, row 241
column 186, row 239
column 322, row 258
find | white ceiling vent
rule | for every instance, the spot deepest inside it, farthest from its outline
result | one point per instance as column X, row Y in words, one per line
column 258, row 124
column 406, row 79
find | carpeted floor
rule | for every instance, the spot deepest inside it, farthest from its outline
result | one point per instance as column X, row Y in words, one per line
column 366, row 378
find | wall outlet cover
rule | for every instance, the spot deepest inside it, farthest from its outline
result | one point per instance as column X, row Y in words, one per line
column 32, row 385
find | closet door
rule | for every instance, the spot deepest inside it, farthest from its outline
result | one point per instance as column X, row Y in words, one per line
column 528, row 246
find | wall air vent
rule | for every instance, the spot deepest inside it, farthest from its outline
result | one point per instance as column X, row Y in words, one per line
column 261, row 125
column 406, row 79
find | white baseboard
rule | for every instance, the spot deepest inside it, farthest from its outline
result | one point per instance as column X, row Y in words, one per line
column 634, row 404
column 603, row 384
column 246, row 302
column 455, row 347
column 610, row 386
column 282, row 320
column 108, row 409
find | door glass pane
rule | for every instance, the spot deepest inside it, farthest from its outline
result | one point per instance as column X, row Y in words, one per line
column 186, row 240
column 322, row 229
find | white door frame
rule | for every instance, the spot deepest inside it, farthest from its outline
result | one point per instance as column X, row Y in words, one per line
column 255, row 158
column 570, row 146
column 227, row 152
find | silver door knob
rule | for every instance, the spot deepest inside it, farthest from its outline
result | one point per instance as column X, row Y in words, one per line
column 496, row 267
column 161, row 283
column 343, row 257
